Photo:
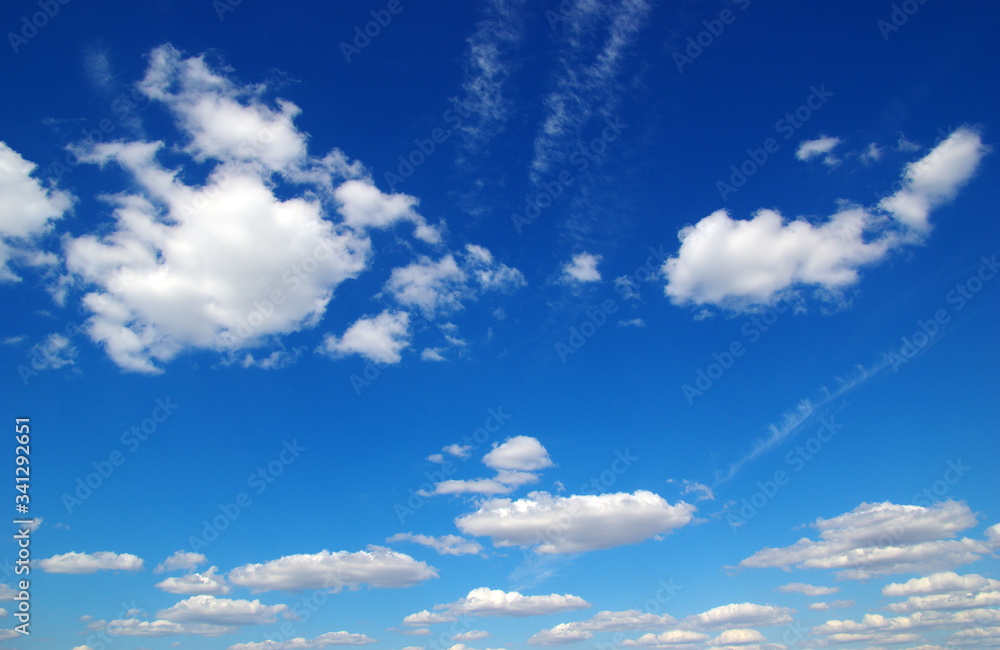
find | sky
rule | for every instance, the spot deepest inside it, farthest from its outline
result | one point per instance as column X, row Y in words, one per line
column 598, row 324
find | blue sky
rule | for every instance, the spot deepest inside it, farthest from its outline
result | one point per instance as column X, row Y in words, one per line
column 614, row 324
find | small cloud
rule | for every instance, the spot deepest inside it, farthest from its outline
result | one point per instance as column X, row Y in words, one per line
column 432, row 354
column 703, row 492
column 635, row 322
column 871, row 154
column 582, row 268
column 821, row 146
column 626, row 287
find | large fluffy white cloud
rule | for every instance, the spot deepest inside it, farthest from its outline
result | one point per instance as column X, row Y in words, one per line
column 744, row 264
column 27, row 210
column 577, row 523
column 90, row 562
column 880, row 539
column 377, row 566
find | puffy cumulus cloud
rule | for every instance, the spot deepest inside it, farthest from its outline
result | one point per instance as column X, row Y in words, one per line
column 471, row 635
column 301, row 643
column 738, row 636
column 223, row 611
column 27, row 211
column 821, row 146
column 577, row 523
column 90, row 562
column 670, row 639
column 742, row 264
column 242, row 267
column 443, row 286
column 822, row 607
column 741, row 615
column 196, row 584
column 364, row 206
column 180, row 561
column 377, row 566
column 582, row 268
column 253, row 252
column 936, row 178
column 381, row 338
column 604, row 621
column 807, row 590
column 522, row 453
column 881, row 539
column 496, row 602
column 875, row 628
column 158, row 628
column 941, row 583
column 976, row 637
column 444, row 545
column 745, row 264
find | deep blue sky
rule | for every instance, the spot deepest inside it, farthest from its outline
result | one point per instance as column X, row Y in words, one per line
column 547, row 298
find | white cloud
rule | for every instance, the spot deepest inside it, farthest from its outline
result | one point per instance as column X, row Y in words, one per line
column 634, row 322
column 582, row 268
column 496, row 602
column 471, row 635
column 180, row 560
column 54, row 352
column 90, row 562
column 522, row 453
column 881, row 539
column 626, row 287
column 381, row 338
column 702, row 491
column 27, row 211
column 821, row 146
column 936, row 178
column 505, row 482
column 158, row 628
column 299, row 643
column 207, row 583
column 443, row 286
column 462, row 451
column 605, row 621
column 952, row 601
column 738, row 615
column 427, row 618
column 574, row 524
column 223, row 611
column 739, row 636
column 444, row 545
column 871, row 154
column 742, row 265
column 940, row 583
column 377, row 566
column 364, row 206
column 808, row 590
column 670, row 639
